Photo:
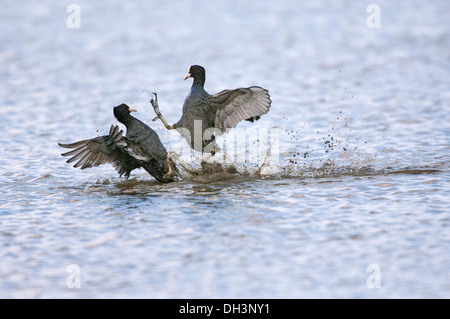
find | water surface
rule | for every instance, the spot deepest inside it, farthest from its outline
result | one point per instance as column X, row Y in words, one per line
column 360, row 177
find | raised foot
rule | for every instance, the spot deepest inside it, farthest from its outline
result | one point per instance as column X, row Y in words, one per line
column 154, row 102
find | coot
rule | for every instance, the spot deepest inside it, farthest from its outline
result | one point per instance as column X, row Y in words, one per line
column 140, row 147
column 205, row 116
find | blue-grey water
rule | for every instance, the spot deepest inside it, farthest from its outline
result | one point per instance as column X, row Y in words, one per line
column 353, row 202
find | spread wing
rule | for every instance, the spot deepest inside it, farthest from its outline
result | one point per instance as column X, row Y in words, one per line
column 111, row 148
column 233, row 106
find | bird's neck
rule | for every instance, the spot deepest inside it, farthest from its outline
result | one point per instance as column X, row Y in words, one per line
column 125, row 120
column 197, row 85
column 199, row 80
column 197, row 90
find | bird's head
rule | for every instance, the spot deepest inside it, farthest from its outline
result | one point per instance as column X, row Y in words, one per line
column 122, row 112
column 197, row 72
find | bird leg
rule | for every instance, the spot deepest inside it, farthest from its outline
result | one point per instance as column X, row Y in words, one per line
column 213, row 152
column 185, row 166
column 170, row 168
column 154, row 103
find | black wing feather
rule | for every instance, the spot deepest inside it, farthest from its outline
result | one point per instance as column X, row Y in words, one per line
column 110, row 148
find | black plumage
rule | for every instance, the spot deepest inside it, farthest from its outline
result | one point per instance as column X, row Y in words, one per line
column 221, row 111
column 140, row 147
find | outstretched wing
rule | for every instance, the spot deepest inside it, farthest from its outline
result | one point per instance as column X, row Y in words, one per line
column 110, row 148
column 233, row 106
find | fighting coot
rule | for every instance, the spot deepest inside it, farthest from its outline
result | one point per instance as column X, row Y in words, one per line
column 216, row 113
column 140, row 147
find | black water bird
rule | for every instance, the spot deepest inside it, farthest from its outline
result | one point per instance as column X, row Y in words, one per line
column 140, row 147
column 218, row 113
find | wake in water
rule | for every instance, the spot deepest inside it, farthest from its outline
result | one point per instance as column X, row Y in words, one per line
column 310, row 150
column 274, row 152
